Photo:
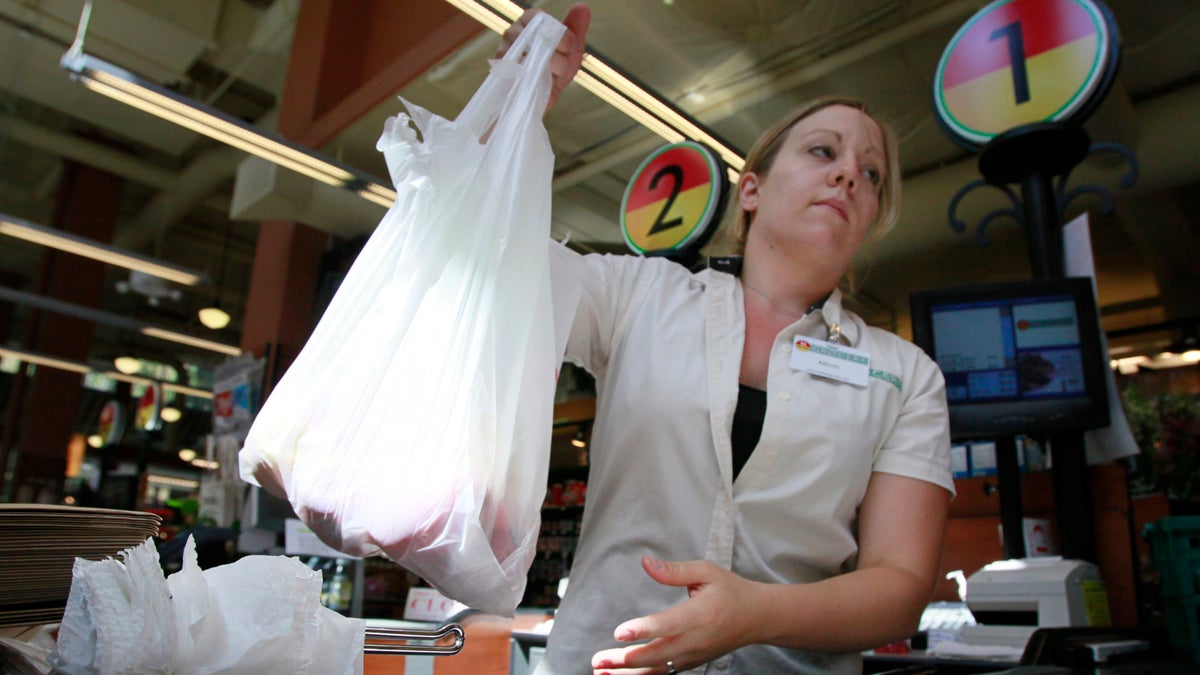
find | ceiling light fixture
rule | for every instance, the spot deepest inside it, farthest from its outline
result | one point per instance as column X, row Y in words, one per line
column 170, row 414
column 45, row 360
column 90, row 248
column 108, row 318
column 616, row 88
column 122, row 85
column 172, row 481
column 213, row 317
column 83, row 369
column 199, row 343
column 127, row 364
column 187, row 454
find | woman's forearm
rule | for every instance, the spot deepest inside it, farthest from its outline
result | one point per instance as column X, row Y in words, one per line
column 851, row 612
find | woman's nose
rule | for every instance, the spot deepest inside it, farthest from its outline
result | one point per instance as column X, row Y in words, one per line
column 842, row 174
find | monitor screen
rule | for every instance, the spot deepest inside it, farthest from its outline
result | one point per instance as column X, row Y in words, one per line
column 1018, row 357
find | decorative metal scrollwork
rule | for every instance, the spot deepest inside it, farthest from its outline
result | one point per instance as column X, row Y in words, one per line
column 1063, row 197
column 960, row 226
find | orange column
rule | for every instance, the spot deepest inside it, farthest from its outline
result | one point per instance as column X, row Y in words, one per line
column 47, row 406
column 347, row 57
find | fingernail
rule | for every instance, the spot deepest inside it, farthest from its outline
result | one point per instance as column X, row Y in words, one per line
column 655, row 563
column 624, row 636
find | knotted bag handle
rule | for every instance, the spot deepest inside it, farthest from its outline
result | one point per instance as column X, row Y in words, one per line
column 519, row 83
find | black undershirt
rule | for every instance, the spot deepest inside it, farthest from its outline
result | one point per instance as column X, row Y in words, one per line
column 752, row 403
column 747, row 424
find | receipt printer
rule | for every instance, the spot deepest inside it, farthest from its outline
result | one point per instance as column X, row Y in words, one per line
column 1012, row 598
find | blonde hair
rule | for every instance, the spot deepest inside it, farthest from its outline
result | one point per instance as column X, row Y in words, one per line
column 732, row 237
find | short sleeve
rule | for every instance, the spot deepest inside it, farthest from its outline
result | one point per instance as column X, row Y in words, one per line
column 919, row 443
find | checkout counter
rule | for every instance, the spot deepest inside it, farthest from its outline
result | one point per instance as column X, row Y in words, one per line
column 1010, row 599
column 1042, row 616
column 1038, row 615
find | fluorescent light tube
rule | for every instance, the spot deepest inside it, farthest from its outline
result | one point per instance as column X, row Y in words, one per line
column 46, row 360
column 90, row 248
column 615, row 88
column 122, row 85
column 83, row 369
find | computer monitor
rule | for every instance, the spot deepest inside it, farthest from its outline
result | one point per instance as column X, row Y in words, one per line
column 1018, row 357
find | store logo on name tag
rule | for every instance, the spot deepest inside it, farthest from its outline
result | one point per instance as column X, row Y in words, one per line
column 830, row 360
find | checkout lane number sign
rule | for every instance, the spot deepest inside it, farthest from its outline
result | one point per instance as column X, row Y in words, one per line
column 674, row 199
column 1018, row 62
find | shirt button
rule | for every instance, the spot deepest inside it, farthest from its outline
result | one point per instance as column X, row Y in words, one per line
column 787, row 396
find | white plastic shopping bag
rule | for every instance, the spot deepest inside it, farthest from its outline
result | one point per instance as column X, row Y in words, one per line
column 260, row 614
column 415, row 424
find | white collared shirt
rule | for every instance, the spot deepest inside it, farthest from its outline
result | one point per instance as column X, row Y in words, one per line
column 665, row 348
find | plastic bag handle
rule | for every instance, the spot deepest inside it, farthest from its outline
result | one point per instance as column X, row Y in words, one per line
column 507, row 91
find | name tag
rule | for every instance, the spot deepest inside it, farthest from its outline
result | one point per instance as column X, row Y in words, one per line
column 831, row 360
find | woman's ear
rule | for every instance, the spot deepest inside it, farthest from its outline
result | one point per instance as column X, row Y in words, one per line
column 747, row 188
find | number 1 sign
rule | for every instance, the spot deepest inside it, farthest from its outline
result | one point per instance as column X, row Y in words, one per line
column 1018, row 62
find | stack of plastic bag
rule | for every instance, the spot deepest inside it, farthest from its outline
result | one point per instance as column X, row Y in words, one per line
column 260, row 614
column 415, row 423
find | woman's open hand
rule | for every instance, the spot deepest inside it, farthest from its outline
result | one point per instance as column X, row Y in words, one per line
column 717, row 618
column 565, row 62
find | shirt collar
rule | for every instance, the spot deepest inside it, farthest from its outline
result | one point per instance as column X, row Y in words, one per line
column 837, row 321
column 835, row 315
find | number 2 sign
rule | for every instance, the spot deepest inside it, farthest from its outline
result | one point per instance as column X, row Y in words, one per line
column 673, row 199
column 1018, row 62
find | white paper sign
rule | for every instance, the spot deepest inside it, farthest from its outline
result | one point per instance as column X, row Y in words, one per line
column 299, row 540
column 1116, row 440
column 426, row 604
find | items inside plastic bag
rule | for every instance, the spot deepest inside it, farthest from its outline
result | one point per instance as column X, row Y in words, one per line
column 256, row 615
column 415, row 423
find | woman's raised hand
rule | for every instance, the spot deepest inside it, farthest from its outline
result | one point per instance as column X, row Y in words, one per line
column 565, row 62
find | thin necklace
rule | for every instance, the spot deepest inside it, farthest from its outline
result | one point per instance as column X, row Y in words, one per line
column 777, row 308
column 833, row 330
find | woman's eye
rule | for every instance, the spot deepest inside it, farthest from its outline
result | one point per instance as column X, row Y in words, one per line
column 873, row 175
column 822, row 151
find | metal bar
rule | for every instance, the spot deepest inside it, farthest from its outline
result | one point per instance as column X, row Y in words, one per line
column 382, row 640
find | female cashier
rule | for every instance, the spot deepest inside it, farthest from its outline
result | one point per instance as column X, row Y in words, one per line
column 769, row 476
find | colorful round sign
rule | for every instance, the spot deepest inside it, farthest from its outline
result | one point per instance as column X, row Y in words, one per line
column 1018, row 62
column 674, row 199
column 149, row 407
column 111, row 425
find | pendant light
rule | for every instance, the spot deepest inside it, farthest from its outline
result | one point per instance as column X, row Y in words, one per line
column 213, row 316
column 130, row 365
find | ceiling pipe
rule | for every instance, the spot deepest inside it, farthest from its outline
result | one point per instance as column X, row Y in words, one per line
column 100, row 156
column 200, row 180
column 732, row 100
column 91, row 153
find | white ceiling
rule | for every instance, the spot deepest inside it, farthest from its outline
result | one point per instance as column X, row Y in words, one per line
column 735, row 66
